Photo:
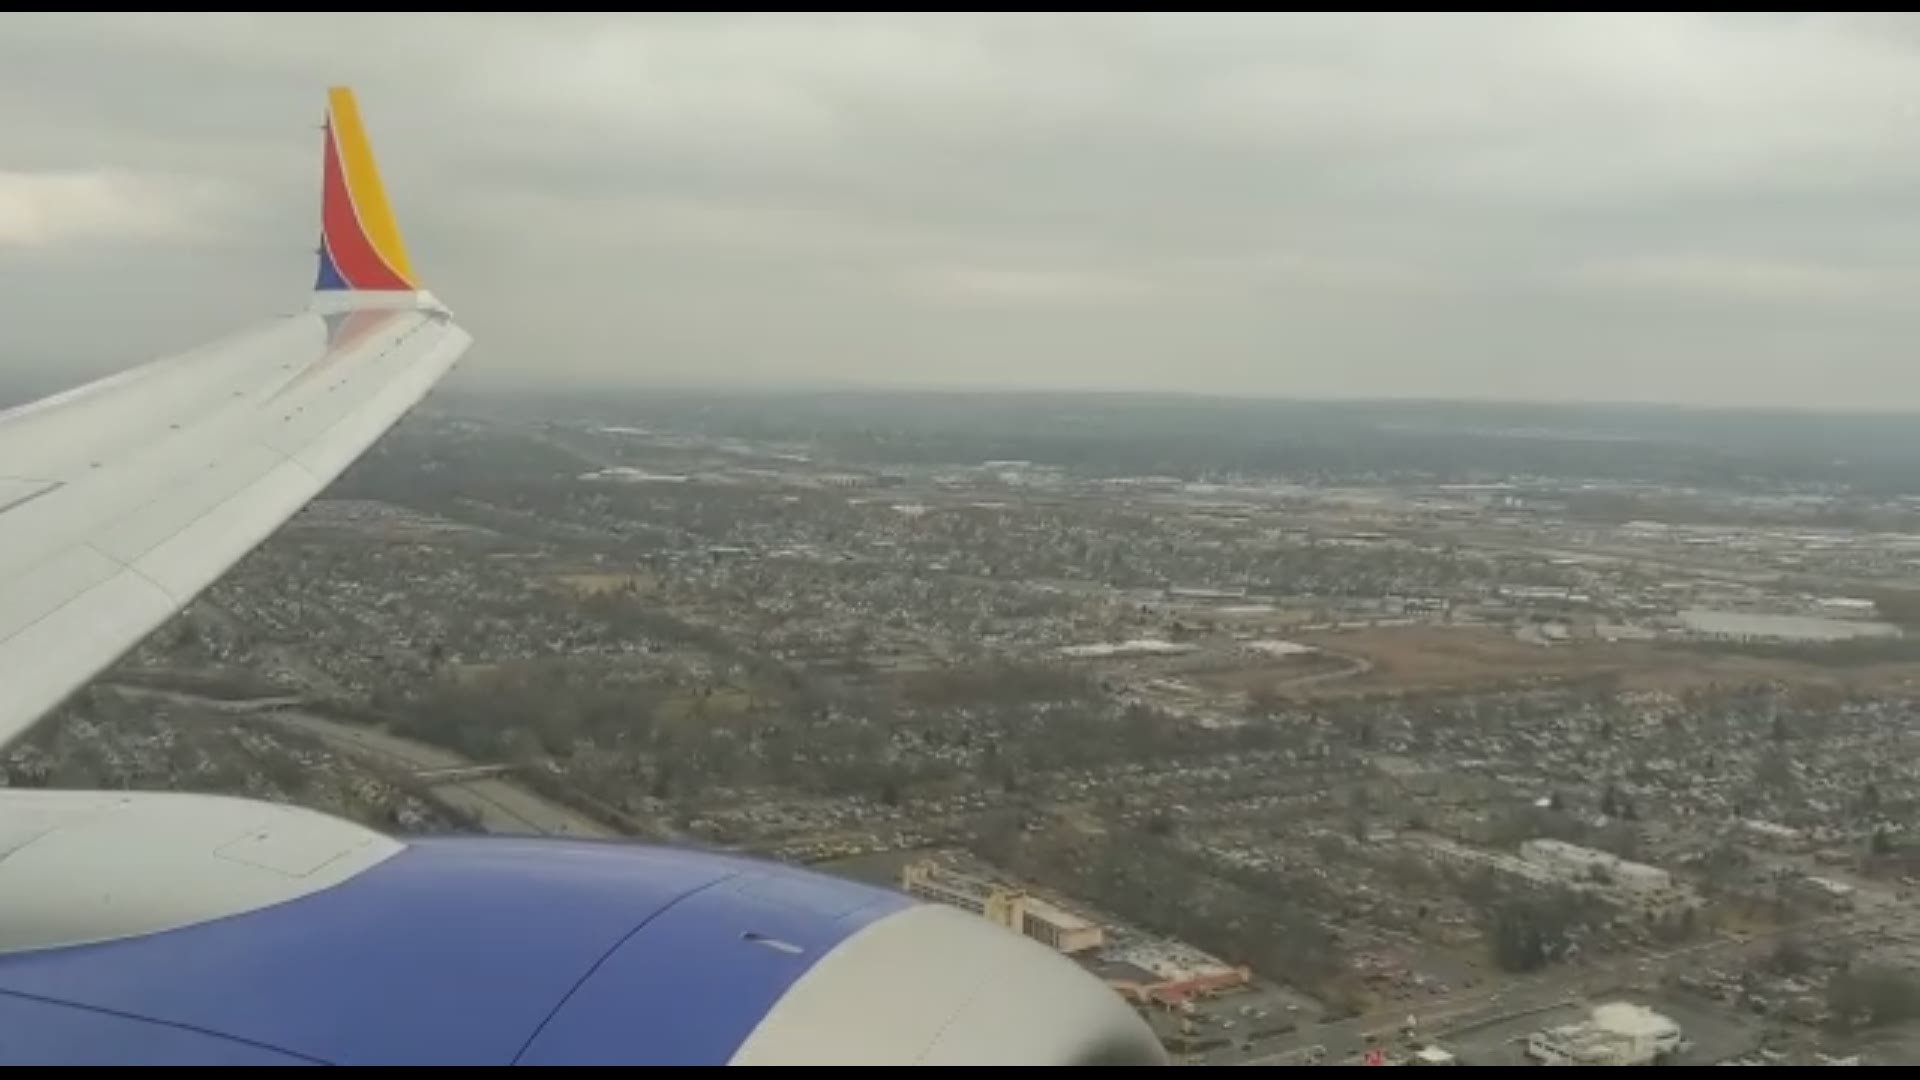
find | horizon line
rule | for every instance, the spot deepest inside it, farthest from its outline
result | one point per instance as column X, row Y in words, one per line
column 498, row 383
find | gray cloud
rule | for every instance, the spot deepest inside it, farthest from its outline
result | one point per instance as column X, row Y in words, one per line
column 1719, row 209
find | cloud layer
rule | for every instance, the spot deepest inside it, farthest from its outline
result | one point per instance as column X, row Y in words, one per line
column 1720, row 209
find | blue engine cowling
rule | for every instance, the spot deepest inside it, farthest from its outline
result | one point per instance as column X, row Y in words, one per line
column 493, row 951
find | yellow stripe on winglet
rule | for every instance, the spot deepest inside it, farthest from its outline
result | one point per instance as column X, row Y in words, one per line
column 363, row 183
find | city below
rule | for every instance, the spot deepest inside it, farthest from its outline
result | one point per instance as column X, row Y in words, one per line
column 1393, row 734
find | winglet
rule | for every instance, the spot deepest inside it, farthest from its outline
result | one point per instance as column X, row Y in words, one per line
column 360, row 245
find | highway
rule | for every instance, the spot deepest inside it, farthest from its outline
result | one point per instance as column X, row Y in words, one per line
column 496, row 802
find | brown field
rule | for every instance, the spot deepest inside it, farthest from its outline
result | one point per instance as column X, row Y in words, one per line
column 1445, row 658
column 588, row 584
column 1277, row 672
column 469, row 674
column 1438, row 657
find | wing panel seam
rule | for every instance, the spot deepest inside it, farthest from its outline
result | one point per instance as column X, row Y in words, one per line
column 76, row 597
column 128, row 567
column 17, row 503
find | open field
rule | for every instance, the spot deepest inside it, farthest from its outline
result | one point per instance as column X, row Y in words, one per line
column 1278, row 673
column 590, row 583
column 1427, row 658
column 1438, row 657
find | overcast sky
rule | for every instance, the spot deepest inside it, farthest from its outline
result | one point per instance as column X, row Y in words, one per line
column 1695, row 208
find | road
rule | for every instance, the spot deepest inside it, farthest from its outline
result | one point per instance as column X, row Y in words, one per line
column 499, row 804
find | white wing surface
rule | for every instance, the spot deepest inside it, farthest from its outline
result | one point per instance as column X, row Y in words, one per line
column 121, row 500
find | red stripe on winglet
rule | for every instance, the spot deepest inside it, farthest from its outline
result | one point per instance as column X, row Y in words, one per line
column 353, row 254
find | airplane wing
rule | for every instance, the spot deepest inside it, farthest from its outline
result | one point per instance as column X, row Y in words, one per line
column 175, row 928
column 121, row 500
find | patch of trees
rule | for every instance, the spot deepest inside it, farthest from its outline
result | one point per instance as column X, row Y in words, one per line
column 224, row 685
column 522, row 710
column 1614, row 803
column 675, row 741
column 1529, row 927
column 997, row 683
column 630, row 617
column 1529, row 932
column 1525, row 821
column 1792, row 958
column 1872, row 996
column 1898, row 606
column 1271, row 926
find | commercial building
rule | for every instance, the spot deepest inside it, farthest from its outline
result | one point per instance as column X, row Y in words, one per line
column 1065, row 931
column 1633, row 884
column 1433, row 1055
column 1176, row 993
column 1578, row 1044
column 1547, row 863
column 1575, row 864
column 1619, row 1033
column 1011, row 908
